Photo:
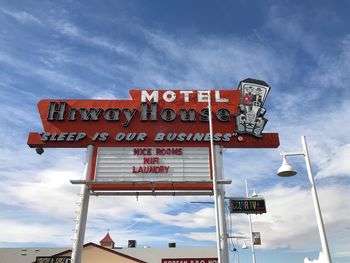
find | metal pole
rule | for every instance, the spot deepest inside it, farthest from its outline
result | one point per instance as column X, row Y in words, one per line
column 215, row 186
column 80, row 226
column 320, row 225
column 221, row 206
column 250, row 224
column 237, row 251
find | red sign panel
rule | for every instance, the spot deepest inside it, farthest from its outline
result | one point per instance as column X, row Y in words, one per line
column 152, row 118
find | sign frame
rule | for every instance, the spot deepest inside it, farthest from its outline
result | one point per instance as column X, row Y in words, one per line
column 152, row 185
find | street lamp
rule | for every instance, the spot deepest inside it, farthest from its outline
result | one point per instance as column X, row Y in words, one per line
column 250, row 222
column 287, row 170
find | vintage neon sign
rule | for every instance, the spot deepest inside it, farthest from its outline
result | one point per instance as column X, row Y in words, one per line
column 150, row 117
column 160, row 119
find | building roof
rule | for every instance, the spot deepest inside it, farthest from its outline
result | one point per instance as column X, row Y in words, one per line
column 103, row 248
column 25, row 255
column 152, row 255
column 107, row 239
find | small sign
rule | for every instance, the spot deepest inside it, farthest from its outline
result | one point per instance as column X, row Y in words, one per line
column 247, row 205
column 256, row 238
column 53, row 259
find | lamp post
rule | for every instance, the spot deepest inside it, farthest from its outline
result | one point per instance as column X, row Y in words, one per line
column 287, row 170
column 250, row 223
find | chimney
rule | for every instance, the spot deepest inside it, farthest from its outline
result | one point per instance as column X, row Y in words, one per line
column 132, row 243
column 107, row 241
column 172, row 245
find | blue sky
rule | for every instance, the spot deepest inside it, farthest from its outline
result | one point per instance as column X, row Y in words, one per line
column 85, row 49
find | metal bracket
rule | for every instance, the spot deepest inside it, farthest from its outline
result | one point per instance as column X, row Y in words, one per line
column 148, row 182
column 153, row 193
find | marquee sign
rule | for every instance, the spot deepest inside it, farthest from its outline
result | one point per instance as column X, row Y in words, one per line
column 159, row 165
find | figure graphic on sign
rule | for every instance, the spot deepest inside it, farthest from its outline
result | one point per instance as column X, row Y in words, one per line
column 260, row 123
column 257, row 98
column 241, row 123
column 251, row 117
column 248, row 97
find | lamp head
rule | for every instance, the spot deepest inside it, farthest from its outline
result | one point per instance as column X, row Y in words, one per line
column 286, row 169
column 254, row 194
column 39, row 150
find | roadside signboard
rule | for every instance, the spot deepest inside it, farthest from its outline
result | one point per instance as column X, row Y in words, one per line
column 256, row 238
column 175, row 118
column 247, row 205
column 53, row 259
column 151, row 120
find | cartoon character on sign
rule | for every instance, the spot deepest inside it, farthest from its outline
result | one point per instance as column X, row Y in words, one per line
column 251, row 119
column 248, row 96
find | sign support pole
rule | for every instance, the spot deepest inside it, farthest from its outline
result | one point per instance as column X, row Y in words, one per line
column 80, row 226
column 221, row 205
column 219, row 195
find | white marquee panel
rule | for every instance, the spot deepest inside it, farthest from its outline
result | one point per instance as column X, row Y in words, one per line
column 121, row 164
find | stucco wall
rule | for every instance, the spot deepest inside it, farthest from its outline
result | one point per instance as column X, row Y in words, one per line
column 93, row 254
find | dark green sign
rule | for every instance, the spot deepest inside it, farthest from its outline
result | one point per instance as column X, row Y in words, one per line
column 247, row 205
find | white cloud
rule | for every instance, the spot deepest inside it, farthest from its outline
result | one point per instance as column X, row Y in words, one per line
column 332, row 70
column 21, row 16
column 204, row 62
column 336, row 164
column 198, row 219
column 13, row 231
column 67, row 28
column 200, row 236
column 47, row 193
